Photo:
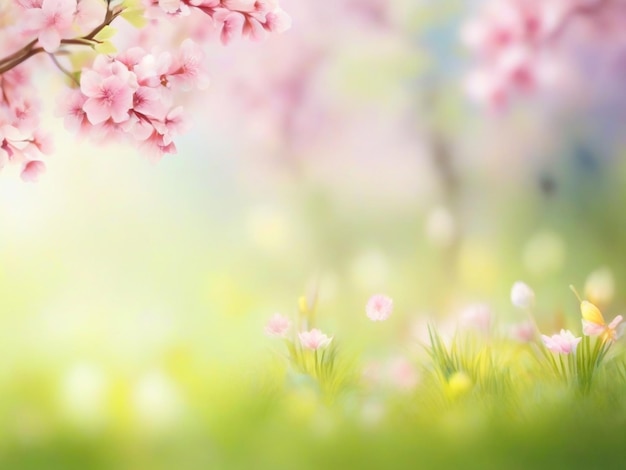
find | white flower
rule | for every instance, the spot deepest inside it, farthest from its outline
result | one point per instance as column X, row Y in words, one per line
column 522, row 296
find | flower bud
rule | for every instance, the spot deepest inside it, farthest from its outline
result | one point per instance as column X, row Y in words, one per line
column 522, row 296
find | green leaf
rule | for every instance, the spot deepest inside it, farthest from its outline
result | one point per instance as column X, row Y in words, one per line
column 106, row 33
column 135, row 17
column 105, row 47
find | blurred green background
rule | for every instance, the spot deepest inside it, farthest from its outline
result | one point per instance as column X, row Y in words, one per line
column 340, row 159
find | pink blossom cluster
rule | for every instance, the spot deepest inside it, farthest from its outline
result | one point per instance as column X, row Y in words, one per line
column 233, row 18
column 131, row 96
column 52, row 21
column 21, row 141
column 528, row 46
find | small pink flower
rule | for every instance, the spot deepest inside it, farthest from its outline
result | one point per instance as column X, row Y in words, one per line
column 379, row 307
column 109, row 97
column 277, row 21
column 70, row 107
column 52, row 22
column 146, row 100
column 565, row 342
column 277, row 326
column 314, row 339
column 187, row 69
column 89, row 14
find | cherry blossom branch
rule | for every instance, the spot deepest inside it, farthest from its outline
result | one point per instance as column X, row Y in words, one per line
column 17, row 54
column 129, row 95
column 30, row 50
column 111, row 15
column 29, row 53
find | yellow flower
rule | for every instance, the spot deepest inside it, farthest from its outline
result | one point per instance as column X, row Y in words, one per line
column 591, row 313
column 594, row 324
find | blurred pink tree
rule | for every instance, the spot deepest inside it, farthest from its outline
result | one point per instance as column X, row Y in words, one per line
column 572, row 49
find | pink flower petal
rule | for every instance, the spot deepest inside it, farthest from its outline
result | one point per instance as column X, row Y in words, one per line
column 32, row 170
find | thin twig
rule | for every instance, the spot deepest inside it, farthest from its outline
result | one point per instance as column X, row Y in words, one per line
column 63, row 69
column 29, row 50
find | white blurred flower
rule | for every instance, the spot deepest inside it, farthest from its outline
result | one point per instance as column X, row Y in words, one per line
column 522, row 296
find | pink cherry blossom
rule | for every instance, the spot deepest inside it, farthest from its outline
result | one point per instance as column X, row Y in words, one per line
column 564, row 342
column 231, row 25
column 12, row 142
column 89, row 14
column 32, row 170
column 52, row 21
column 146, row 100
column 70, row 107
column 379, row 307
column 277, row 21
column 171, row 124
column 314, row 339
column 108, row 97
column 186, row 69
column 26, row 113
column 278, row 326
